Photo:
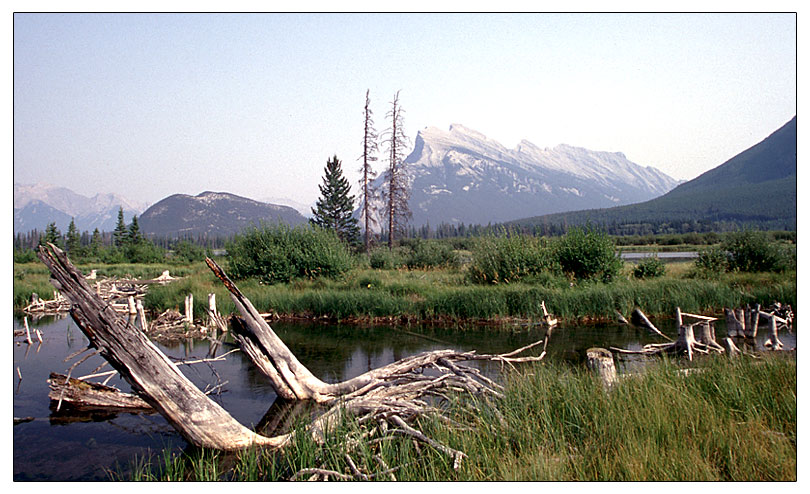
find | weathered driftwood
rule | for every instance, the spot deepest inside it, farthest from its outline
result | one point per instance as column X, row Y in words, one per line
column 686, row 343
column 600, row 361
column 391, row 394
column 82, row 395
column 639, row 319
column 731, row 349
column 149, row 372
column 293, row 381
column 773, row 335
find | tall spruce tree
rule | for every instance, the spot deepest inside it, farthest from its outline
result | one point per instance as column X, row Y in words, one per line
column 52, row 235
column 134, row 236
column 367, row 191
column 334, row 208
column 120, row 232
column 397, row 191
column 72, row 238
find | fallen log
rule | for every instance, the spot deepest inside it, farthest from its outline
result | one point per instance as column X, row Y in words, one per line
column 391, row 394
column 83, row 395
column 201, row 421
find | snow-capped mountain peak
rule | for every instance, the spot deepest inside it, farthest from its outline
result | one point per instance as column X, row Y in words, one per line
column 460, row 175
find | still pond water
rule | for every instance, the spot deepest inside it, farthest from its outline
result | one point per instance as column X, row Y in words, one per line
column 103, row 446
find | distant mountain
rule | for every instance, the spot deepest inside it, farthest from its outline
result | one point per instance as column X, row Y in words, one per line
column 37, row 205
column 304, row 209
column 211, row 213
column 755, row 188
column 462, row 176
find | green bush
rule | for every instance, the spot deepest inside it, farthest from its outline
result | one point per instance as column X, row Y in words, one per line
column 22, row 256
column 649, row 267
column 279, row 253
column 508, row 259
column 186, row 251
column 753, row 251
column 586, row 254
column 385, row 258
column 431, row 253
column 712, row 260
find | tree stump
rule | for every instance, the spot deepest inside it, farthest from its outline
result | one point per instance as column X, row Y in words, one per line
column 600, row 361
column 773, row 336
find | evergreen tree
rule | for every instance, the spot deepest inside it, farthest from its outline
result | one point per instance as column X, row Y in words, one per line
column 120, row 232
column 333, row 210
column 52, row 235
column 96, row 242
column 397, row 192
column 367, row 174
column 72, row 238
column 134, row 236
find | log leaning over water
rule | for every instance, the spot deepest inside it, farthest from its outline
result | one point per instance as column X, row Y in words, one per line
column 639, row 319
column 149, row 372
column 391, row 394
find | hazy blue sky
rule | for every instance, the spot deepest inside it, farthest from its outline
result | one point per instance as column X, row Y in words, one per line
column 254, row 104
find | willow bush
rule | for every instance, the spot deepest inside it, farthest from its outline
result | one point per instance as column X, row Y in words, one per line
column 279, row 253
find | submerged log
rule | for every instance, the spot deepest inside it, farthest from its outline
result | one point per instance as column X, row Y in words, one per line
column 82, row 395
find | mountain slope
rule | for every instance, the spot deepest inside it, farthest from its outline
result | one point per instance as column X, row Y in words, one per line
column 462, row 176
column 99, row 211
column 211, row 213
column 757, row 187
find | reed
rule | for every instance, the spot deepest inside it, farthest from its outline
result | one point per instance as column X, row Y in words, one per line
column 734, row 421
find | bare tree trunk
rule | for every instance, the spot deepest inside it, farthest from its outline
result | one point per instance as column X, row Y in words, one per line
column 388, row 394
column 151, row 374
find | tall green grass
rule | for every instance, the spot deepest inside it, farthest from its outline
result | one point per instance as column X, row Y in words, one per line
column 735, row 421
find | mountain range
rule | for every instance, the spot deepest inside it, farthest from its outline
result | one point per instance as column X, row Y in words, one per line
column 215, row 214
column 461, row 176
column 37, row 205
column 757, row 188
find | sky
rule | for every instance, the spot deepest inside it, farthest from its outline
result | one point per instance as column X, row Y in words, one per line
column 149, row 105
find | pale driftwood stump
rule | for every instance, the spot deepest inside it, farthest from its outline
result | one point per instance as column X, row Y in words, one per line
column 600, row 361
column 773, row 335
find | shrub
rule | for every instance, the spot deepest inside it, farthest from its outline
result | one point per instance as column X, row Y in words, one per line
column 649, row 267
column 753, row 251
column 384, row 258
column 508, row 259
column 22, row 256
column 587, row 254
column 187, row 252
column 280, row 253
column 431, row 253
column 712, row 260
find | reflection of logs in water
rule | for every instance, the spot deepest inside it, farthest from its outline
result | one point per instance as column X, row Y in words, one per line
column 283, row 416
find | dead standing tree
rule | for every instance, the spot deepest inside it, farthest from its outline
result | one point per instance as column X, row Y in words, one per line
column 394, row 394
column 397, row 190
column 368, row 193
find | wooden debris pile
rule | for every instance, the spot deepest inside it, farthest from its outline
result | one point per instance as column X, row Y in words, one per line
column 120, row 293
